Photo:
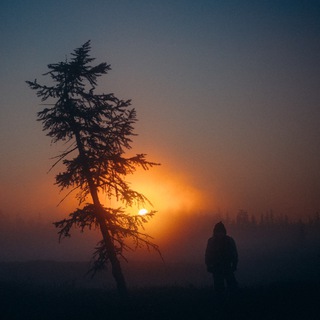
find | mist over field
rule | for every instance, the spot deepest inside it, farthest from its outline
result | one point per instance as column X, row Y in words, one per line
column 270, row 249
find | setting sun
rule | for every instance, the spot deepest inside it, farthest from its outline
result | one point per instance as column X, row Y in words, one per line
column 143, row 211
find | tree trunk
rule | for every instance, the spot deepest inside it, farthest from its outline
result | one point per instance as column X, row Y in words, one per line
column 115, row 263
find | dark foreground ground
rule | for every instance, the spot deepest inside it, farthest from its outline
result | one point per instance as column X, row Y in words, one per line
column 275, row 301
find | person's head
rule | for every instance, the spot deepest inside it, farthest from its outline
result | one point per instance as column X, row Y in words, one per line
column 219, row 229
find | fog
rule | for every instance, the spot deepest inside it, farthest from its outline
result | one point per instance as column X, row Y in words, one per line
column 271, row 248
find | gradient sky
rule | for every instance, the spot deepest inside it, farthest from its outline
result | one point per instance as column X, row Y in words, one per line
column 227, row 95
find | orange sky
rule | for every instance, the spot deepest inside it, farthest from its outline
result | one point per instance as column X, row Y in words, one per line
column 227, row 99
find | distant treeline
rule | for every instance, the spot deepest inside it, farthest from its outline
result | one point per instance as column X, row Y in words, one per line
column 277, row 229
column 242, row 218
column 22, row 237
column 267, row 219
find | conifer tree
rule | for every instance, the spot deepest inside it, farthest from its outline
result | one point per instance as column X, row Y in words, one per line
column 97, row 130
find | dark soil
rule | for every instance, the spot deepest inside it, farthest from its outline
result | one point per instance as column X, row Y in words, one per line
column 276, row 301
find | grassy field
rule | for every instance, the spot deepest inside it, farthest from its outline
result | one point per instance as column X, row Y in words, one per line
column 276, row 301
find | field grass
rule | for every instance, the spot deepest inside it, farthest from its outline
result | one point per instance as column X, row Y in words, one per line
column 276, row 301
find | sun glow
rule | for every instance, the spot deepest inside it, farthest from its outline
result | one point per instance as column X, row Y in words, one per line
column 170, row 194
column 167, row 192
column 143, row 211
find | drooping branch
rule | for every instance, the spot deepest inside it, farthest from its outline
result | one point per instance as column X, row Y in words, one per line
column 122, row 227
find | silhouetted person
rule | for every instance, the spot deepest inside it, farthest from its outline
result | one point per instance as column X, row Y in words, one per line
column 221, row 259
